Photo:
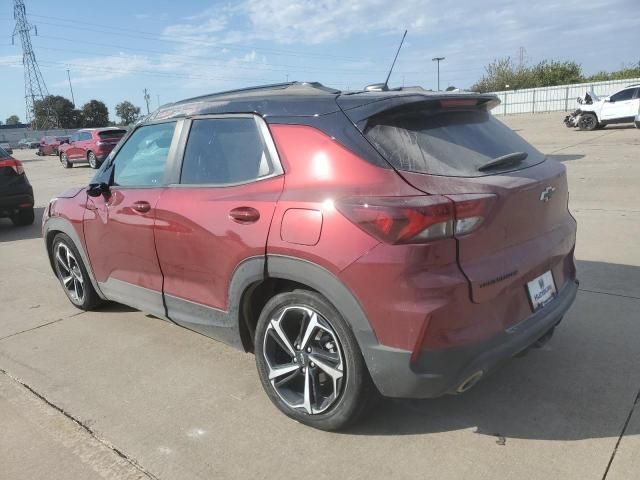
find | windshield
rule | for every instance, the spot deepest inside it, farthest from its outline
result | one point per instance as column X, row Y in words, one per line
column 448, row 143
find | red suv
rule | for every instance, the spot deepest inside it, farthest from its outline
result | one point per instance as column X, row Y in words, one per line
column 49, row 145
column 90, row 145
column 402, row 242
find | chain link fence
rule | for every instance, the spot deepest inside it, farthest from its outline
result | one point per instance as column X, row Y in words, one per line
column 561, row 98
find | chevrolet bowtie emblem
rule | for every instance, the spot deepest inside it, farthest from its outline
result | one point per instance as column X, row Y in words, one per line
column 546, row 194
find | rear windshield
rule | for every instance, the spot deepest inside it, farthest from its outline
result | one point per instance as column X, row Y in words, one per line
column 112, row 133
column 449, row 143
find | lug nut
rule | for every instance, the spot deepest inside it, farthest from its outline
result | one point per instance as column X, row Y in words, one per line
column 312, row 364
column 309, row 350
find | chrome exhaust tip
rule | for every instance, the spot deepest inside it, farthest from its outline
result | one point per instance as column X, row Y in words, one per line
column 470, row 382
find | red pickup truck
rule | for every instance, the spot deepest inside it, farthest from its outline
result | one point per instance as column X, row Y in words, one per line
column 89, row 145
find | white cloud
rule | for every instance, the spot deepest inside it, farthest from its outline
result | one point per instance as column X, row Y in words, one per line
column 11, row 61
column 104, row 68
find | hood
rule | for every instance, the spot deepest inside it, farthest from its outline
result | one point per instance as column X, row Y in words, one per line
column 70, row 192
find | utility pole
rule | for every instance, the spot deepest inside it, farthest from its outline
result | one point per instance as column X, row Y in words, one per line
column 73, row 100
column 438, row 59
column 34, row 86
column 146, row 99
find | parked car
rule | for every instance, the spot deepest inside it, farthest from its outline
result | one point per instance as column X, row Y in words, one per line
column 621, row 107
column 16, row 193
column 49, row 144
column 404, row 242
column 89, row 145
column 6, row 146
column 28, row 143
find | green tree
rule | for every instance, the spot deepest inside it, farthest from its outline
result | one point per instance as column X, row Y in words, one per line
column 13, row 120
column 95, row 114
column 128, row 112
column 68, row 116
column 504, row 71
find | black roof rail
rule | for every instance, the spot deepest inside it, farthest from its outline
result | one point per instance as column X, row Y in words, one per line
column 259, row 88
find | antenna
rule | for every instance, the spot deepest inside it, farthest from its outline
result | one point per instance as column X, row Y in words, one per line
column 386, row 82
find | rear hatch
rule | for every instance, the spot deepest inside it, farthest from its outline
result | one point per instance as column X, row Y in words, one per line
column 440, row 145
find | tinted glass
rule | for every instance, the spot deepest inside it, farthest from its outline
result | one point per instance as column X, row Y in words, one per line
column 141, row 160
column 623, row 95
column 3, row 154
column 225, row 151
column 112, row 133
column 85, row 136
column 449, row 143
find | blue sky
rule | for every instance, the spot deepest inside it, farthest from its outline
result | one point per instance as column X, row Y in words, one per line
column 181, row 49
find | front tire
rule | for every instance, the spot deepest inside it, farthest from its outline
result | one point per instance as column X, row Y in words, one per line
column 588, row 122
column 24, row 217
column 93, row 161
column 64, row 160
column 309, row 362
column 72, row 273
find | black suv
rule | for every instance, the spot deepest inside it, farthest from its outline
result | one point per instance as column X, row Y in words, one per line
column 16, row 194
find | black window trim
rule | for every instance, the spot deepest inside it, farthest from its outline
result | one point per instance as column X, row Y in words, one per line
column 263, row 129
column 167, row 177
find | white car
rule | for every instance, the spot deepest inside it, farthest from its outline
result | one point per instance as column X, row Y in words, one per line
column 621, row 107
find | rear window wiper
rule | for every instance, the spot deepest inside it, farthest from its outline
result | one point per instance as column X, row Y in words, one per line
column 508, row 159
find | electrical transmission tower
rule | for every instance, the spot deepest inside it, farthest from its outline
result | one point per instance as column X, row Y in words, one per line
column 34, row 86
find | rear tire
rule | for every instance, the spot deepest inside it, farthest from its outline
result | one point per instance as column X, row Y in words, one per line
column 588, row 122
column 93, row 161
column 72, row 273
column 309, row 362
column 24, row 217
column 65, row 161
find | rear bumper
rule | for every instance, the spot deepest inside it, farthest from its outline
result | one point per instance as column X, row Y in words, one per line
column 437, row 372
column 10, row 204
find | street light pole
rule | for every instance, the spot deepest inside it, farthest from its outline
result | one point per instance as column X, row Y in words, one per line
column 438, row 59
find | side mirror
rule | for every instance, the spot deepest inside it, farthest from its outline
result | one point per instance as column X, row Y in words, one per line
column 97, row 189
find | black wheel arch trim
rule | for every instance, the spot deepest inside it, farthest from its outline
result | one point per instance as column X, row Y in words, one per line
column 54, row 225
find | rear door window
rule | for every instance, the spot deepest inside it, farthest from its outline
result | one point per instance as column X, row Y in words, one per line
column 623, row 95
column 449, row 143
column 223, row 151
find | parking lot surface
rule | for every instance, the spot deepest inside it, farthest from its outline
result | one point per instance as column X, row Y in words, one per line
column 119, row 394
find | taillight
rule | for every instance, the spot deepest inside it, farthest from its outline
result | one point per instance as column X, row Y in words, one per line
column 401, row 219
column 420, row 219
column 12, row 163
column 471, row 210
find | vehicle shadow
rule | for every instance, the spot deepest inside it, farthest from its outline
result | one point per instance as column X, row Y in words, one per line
column 581, row 385
column 565, row 157
column 11, row 233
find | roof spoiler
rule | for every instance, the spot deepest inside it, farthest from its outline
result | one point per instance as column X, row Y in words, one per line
column 359, row 109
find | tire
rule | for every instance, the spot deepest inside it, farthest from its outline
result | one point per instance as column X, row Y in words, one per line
column 303, row 335
column 637, row 124
column 24, row 217
column 72, row 273
column 93, row 161
column 65, row 161
column 588, row 122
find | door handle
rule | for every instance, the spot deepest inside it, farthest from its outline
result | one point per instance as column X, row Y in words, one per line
column 244, row 215
column 141, row 206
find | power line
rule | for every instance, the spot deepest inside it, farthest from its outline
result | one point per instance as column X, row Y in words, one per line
column 77, row 25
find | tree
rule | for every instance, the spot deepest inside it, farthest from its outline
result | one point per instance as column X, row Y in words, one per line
column 95, row 114
column 128, row 112
column 68, row 116
column 503, row 71
column 13, row 120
